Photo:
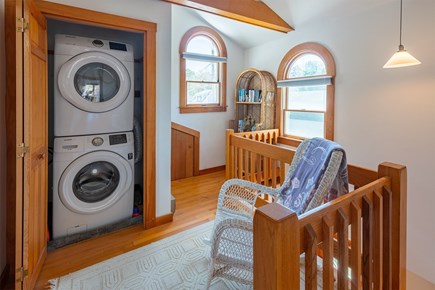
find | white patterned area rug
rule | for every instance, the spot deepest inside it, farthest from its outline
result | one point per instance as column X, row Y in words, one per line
column 177, row 262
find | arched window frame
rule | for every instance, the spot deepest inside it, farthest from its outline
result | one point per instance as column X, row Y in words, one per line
column 287, row 61
column 222, row 67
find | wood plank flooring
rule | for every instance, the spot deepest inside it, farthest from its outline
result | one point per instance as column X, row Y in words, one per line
column 196, row 200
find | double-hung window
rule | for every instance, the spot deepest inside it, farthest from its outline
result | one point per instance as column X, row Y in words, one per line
column 202, row 71
column 305, row 79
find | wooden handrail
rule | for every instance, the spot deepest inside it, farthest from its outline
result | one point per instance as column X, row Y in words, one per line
column 267, row 136
column 247, row 144
column 379, row 237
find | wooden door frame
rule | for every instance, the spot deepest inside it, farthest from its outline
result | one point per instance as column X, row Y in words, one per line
column 149, row 29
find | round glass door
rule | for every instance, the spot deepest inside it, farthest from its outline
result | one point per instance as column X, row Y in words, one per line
column 96, row 181
column 96, row 82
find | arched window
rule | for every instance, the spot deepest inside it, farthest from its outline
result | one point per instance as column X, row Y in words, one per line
column 306, row 82
column 203, row 71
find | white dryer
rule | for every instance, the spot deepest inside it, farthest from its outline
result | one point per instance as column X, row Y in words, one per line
column 92, row 181
column 93, row 86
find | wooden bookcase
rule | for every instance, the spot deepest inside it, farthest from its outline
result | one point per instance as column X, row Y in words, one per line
column 256, row 108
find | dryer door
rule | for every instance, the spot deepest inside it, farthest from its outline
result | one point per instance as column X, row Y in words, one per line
column 94, row 82
column 94, row 182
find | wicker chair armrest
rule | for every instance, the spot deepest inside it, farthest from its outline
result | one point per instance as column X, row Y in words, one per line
column 251, row 185
column 241, row 195
column 224, row 228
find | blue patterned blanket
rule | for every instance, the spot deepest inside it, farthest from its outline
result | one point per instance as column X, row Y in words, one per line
column 305, row 180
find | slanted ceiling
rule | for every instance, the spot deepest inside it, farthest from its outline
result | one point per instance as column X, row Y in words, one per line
column 247, row 11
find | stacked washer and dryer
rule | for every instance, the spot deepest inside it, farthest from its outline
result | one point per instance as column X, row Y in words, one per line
column 93, row 162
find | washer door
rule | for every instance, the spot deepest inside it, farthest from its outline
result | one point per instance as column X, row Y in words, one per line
column 94, row 182
column 94, row 82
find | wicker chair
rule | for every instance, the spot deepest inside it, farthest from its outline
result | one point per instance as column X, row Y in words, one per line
column 232, row 235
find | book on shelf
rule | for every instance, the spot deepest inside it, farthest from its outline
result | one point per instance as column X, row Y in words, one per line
column 240, row 126
column 249, row 96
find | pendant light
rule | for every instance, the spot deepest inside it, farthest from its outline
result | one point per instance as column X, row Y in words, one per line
column 401, row 57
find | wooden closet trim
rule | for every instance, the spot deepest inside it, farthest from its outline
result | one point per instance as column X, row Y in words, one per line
column 149, row 29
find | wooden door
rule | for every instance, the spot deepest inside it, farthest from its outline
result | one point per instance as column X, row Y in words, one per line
column 35, row 137
column 27, row 120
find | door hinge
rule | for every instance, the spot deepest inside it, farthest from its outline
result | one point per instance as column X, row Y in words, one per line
column 22, row 274
column 22, row 150
column 22, row 24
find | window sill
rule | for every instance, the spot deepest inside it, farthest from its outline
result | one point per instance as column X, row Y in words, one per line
column 202, row 109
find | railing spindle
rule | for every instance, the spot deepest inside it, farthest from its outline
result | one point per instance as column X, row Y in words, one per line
column 258, row 167
column 266, row 172
column 386, row 242
column 355, row 252
column 252, row 156
column 367, row 258
column 377, row 240
column 240, row 163
column 343, row 249
column 328, row 254
column 310, row 258
column 273, row 169
column 246, row 164
column 282, row 172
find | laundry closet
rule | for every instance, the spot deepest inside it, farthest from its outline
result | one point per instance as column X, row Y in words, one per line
column 95, row 136
column 31, row 130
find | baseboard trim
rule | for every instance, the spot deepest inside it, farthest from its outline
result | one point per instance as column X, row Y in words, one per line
column 164, row 219
column 4, row 277
column 211, row 170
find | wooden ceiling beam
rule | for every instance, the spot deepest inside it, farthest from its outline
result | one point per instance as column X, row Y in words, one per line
column 248, row 11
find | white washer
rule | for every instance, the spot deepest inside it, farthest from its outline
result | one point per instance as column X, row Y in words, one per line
column 92, row 181
column 93, row 86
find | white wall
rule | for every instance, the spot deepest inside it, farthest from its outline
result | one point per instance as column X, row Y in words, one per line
column 380, row 115
column 2, row 144
column 160, row 13
column 210, row 125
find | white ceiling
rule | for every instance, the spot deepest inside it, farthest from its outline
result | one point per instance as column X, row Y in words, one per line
column 295, row 12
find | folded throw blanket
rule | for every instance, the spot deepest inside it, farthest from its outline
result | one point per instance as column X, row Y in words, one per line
column 306, row 177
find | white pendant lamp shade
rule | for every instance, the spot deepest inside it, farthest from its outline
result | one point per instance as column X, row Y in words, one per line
column 401, row 58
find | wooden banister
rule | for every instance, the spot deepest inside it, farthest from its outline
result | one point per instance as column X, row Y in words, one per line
column 276, row 248
column 373, row 216
column 398, row 175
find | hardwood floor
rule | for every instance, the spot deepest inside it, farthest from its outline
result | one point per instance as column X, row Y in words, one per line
column 196, row 200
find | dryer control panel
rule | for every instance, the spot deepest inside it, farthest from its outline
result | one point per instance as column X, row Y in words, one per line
column 117, row 139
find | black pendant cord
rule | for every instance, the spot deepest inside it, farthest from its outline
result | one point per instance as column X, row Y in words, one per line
column 400, row 35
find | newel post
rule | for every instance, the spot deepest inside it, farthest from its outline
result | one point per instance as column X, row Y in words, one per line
column 398, row 176
column 276, row 248
column 229, row 163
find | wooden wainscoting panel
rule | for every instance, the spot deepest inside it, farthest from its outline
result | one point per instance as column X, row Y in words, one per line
column 184, row 152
